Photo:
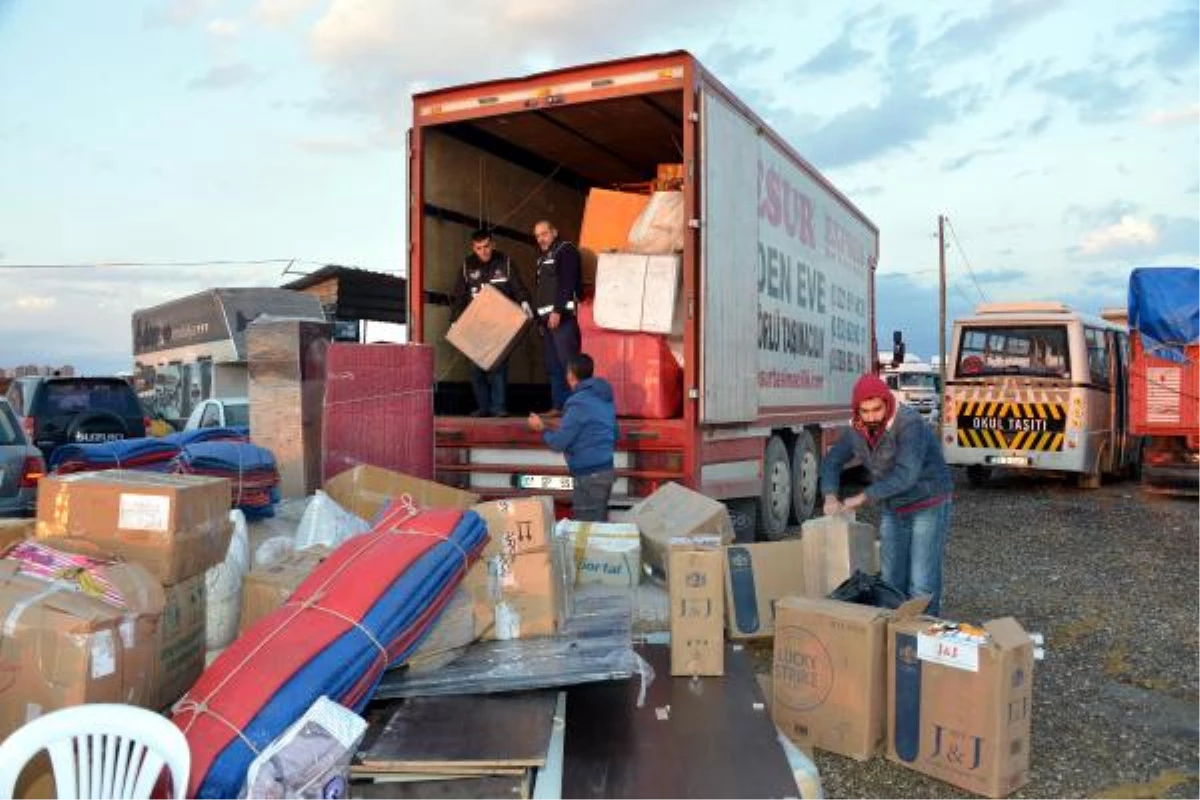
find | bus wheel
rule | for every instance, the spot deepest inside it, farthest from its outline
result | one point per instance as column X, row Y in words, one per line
column 805, row 473
column 977, row 476
column 775, row 505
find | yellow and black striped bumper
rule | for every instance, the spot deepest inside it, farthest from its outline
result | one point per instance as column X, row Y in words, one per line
column 1011, row 426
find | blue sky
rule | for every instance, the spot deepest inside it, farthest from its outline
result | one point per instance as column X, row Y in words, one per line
column 1061, row 138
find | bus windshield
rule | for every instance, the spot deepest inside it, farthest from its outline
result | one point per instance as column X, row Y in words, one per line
column 1033, row 350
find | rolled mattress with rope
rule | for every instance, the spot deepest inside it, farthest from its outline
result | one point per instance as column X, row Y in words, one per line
column 365, row 607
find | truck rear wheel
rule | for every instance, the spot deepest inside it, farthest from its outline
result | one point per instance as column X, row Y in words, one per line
column 977, row 475
column 805, row 473
column 775, row 505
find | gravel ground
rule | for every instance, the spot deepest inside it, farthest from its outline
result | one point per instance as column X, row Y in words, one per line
column 1110, row 578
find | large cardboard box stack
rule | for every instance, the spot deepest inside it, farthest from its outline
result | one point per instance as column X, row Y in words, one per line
column 267, row 588
column 366, row 490
column 15, row 530
column 489, row 329
column 516, row 586
column 175, row 526
column 676, row 511
column 286, row 364
column 697, row 609
column 62, row 646
column 828, row 681
column 834, row 547
column 757, row 576
column 961, row 702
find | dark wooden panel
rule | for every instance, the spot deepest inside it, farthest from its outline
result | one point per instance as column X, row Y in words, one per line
column 500, row 787
column 501, row 730
column 713, row 742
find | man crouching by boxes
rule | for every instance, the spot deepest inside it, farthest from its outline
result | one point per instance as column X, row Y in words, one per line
column 588, row 436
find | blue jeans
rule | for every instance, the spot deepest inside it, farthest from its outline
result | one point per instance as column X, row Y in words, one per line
column 911, row 547
column 489, row 388
column 561, row 344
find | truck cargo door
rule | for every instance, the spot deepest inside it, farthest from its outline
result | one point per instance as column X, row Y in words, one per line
column 728, row 263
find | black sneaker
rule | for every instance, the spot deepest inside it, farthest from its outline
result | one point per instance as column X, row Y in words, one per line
column 479, row 412
column 500, row 413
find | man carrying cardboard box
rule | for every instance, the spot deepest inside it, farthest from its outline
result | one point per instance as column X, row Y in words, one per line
column 909, row 479
column 488, row 266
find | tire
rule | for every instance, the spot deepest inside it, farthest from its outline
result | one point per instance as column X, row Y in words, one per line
column 805, row 477
column 100, row 422
column 977, row 476
column 775, row 504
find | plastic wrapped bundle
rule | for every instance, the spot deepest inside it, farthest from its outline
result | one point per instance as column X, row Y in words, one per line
column 365, row 607
column 184, row 438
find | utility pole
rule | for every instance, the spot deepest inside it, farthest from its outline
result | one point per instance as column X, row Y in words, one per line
column 942, row 315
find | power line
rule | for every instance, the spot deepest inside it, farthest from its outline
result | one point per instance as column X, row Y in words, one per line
column 966, row 261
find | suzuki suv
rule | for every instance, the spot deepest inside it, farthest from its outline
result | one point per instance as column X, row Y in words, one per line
column 82, row 411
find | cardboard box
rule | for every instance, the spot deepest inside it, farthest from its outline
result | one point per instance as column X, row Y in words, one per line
column 519, row 525
column 181, row 640
column 960, row 709
column 601, row 553
column 286, row 369
column 697, row 610
column 828, row 677
column 176, row 526
column 267, row 588
column 15, row 530
column 834, row 547
column 488, row 330
column 453, row 631
column 675, row 511
column 515, row 596
column 365, row 490
column 639, row 293
column 756, row 577
column 62, row 647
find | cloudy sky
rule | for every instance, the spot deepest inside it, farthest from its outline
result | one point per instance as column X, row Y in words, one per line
column 1060, row 138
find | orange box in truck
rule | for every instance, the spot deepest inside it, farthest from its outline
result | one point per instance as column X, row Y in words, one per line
column 776, row 298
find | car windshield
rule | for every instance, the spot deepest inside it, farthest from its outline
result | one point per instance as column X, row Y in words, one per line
column 10, row 433
column 1034, row 350
column 237, row 415
column 72, row 397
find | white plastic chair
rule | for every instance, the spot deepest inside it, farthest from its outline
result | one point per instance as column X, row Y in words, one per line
column 101, row 750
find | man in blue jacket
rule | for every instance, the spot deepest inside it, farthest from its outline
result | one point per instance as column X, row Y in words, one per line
column 909, row 480
column 588, row 436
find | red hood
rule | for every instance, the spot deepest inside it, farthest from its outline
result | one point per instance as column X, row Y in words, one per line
column 872, row 386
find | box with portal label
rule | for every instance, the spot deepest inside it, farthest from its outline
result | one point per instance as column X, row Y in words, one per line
column 176, row 526
column 960, row 702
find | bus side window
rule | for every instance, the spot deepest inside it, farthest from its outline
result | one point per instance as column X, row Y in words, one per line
column 1097, row 353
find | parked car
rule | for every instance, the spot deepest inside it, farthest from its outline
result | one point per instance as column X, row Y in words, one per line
column 220, row 412
column 19, row 392
column 21, row 465
column 82, row 411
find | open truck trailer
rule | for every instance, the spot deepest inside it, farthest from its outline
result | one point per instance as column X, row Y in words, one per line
column 777, row 277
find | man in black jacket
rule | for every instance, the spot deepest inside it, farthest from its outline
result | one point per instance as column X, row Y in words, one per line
column 559, row 283
column 486, row 265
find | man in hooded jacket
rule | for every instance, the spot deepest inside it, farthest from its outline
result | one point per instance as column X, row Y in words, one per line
column 909, row 481
column 588, row 436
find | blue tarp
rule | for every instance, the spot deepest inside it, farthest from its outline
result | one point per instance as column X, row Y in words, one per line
column 1164, row 308
column 198, row 435
column 127, row 453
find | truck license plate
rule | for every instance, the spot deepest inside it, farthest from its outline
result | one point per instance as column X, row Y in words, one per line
column 1009, row 461
column 554, row 483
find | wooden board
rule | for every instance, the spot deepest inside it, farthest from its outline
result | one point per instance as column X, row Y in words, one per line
column 477, row 733
column 517, row 788
column 709, row 737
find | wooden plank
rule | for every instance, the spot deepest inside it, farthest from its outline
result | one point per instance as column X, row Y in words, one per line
column 472, row 732
column 711, row 737
column 500, row 787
